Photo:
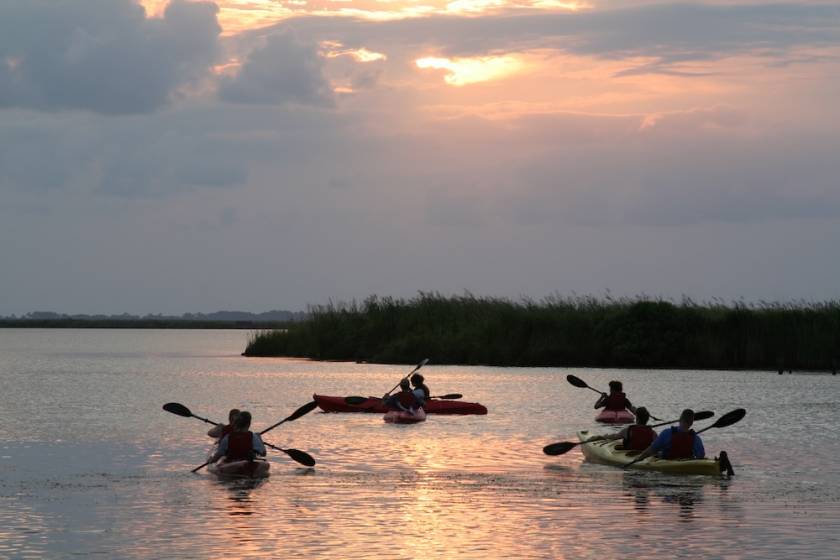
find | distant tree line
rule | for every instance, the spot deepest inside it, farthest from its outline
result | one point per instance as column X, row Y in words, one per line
column 216, row 320
column 565, row 331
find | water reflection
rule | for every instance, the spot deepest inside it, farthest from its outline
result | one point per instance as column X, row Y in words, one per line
column 468, row 487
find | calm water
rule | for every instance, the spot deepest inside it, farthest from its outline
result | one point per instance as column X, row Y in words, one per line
column 91, row 465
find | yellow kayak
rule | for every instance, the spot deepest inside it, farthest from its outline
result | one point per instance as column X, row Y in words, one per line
column 611, row 453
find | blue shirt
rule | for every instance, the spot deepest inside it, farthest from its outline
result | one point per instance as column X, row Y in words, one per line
column 662, row 444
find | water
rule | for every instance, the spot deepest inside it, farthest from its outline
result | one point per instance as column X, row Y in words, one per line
column 91, row 466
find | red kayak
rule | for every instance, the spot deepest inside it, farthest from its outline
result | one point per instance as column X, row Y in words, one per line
column 615, row 417
column 374, row 404
column 405, row 417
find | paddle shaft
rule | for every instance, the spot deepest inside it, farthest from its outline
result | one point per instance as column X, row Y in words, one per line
column 421, row 364
column 305, row 409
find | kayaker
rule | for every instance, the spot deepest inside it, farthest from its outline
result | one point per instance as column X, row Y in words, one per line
column 677, row 442
column 221, row 430
column 421, row 391
column 637, row 437
column 241, row 444
column 616, row 400
column 404, row 400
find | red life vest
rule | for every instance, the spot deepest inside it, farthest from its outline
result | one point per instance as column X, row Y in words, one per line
column 240, row 446
column 407, row 399
column 682, row 444
column 639, row 437
column 616, row 401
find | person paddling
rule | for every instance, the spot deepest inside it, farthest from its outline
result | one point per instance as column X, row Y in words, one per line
column 677, row 442
column 637, row 437
column 616, row 400
column 405, row 400
column 221, row 430
column 421, row 391
column 241, row 444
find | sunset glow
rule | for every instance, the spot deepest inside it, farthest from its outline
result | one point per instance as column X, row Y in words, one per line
column 463, row 71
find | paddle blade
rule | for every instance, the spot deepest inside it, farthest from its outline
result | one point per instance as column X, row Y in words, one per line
column 177, row 408
column 703, row 415
column 301, row 457
column 305, row 409
column 577, row 382
column 355, row 401
column 729, row 418
column 450, row 396
column 559, row 448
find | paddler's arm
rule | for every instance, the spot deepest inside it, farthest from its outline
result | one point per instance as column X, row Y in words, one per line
column 259, row 447
column 621, row 434
column 698, row 449
column 221, row 450
column 602, row 401
column 216, row 431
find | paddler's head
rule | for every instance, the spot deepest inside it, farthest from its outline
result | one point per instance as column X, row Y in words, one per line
column 615, row 386
column 417, row 380
column 686, row 419
column 234, row 412
column 243, row 421
column 405, row 385
column 642, row 416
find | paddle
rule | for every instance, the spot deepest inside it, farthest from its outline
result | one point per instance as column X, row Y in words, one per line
column 305, row 409
column 562, row 447
column 702, row 415
column 296, row 454
column 357, row 401
column 301, row 457
column 581, row 384
column 727, row 419
column 421, row 364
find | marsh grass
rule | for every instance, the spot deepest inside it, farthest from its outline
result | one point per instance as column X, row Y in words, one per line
column 586, row 331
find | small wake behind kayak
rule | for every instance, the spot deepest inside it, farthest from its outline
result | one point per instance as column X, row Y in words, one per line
column 615, row 417
column 375, row 405
column 611, row 453
column 405, row 417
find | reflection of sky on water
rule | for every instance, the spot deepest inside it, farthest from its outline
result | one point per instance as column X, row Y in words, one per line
column 98, row 468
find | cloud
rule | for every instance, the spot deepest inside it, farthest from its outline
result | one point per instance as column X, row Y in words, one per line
column 283, row 70
column 103, row 56
column 666, row 32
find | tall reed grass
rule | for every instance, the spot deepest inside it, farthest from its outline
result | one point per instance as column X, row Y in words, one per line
column 584, row 331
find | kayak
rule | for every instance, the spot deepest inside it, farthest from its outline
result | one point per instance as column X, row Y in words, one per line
column 405, row 417
column 240, row 469
column 615, row 417
column 374, row 404
column 611, row 453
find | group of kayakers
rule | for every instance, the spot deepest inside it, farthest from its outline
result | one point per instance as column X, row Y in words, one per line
column 235, row 441
column 675, row 442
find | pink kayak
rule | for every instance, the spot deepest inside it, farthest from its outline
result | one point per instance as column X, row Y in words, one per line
column 615, row 417
column 404, row 417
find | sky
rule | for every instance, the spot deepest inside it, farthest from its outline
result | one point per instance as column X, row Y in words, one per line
column 177, row 156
